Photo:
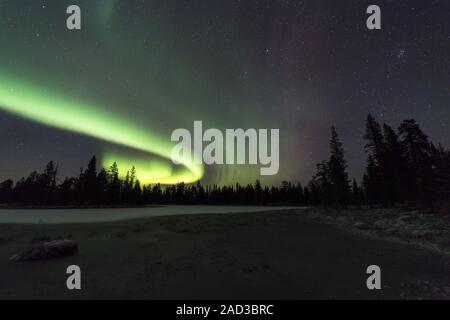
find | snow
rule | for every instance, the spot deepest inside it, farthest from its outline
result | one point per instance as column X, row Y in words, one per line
column 431, row 230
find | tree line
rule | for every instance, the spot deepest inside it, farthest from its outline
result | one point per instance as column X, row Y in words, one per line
column 403, row 167
column 107, row 188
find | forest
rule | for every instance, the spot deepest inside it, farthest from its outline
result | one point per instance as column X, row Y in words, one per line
column 404, row 168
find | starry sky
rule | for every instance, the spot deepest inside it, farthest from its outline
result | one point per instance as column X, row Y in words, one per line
column 140, row 69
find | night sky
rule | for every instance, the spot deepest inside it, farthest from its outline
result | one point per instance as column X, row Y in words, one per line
column 140, row 69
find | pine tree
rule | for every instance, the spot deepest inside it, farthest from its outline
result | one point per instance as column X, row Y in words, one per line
column 415, row 142
column 374, row 138
column 102, row 186
column 393, row 174
column 114, row 184
column 136, row 192
column 371, row 182
column 418, row 155
column 375, row 149
column 258, row 191
column 338, row 171
column 441, row 171
column 6, row 191
column 48, row 181
column 320, row 185
column 90, row 181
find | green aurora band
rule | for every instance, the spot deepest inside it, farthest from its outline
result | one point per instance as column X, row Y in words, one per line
column 37, row 104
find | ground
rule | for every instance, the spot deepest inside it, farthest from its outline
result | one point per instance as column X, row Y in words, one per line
column 422, row 228
column 266, row 255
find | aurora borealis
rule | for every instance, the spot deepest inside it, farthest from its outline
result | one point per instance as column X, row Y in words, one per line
column 140, row 69
column 64, row 113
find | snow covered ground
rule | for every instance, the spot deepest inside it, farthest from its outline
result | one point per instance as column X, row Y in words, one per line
column 431, row 230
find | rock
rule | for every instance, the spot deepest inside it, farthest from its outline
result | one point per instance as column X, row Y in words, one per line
column 48, row 250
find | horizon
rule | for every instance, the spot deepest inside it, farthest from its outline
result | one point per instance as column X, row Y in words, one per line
column 124, row 170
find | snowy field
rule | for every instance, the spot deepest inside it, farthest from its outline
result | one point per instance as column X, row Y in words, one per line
column 430, row 230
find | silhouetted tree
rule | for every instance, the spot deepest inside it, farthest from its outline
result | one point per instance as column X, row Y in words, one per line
column 114, row 184
column 338, row 175
column 320, row 185
column 6, row 191
column 418, row 156
column 375, row 149
column 66, row 191
column 136, row 193
column 371, row 182
column 441, row 174
column 88, row 183
column 47, row 182
column 393, row 175
column 102, row 187
column 258, row 192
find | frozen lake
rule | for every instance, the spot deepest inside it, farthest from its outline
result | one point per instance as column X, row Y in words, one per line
column 54, row 216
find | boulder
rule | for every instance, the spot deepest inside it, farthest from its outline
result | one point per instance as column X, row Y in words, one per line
column 48, row 250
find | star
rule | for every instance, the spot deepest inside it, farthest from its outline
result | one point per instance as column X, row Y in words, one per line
column 401, row 53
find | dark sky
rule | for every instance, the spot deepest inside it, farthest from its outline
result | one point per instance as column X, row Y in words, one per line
column 140, row 69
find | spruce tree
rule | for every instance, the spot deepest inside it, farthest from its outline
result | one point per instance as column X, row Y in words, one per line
column 418, row 155
column 338, row 171
column 393, row 174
